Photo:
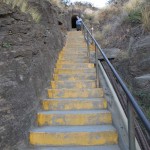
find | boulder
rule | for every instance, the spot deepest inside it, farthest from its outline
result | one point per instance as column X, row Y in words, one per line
column 143, row 82
column 111, row 53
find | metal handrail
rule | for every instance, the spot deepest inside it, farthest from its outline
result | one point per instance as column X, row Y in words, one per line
column 131, row 99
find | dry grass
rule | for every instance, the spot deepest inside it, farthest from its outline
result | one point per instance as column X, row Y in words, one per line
column 146, row 17
column 107, row 13
column 57, row 3
column 132, row 5
column 99, row 36
column 106, row 29
column 123, row 55
column 24, row 7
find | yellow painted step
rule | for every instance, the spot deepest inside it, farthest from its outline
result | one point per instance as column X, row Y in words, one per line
column 74, row 65
column 73, row 84
column 74, row 135
column 81, row 117
column 65, row 53
column 74, row 104
column 72, row 61
column 74, row 52
column 73, row 56
column 75, row 93
column 74, row 77
column 74, row 71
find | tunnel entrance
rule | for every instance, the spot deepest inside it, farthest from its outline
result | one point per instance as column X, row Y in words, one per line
column 73, row 20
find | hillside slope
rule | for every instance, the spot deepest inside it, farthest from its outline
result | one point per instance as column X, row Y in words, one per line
column 28, row 52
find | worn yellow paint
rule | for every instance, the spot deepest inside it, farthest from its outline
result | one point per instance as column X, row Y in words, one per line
column 73, row 54
column 105, row 104
column 73, row 104
column 67, row 71
column 74, row 119
column 75, row 93
column 72, row 84
column 81, row 56
column 53, row 84
column 73, row 138
column 92, row 47
column 73, row 71
column 57, row 77
column 74, row 65
column 66, row 53
column 71, row 61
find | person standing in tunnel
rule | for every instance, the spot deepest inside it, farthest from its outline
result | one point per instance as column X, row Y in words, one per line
column 78, row 23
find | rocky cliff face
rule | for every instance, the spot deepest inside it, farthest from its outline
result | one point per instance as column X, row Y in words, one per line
column 135, row 71
column 28, row 52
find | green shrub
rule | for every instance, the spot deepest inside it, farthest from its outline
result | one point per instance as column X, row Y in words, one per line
column 6, row 45
column 134, row 16
column 146, row 16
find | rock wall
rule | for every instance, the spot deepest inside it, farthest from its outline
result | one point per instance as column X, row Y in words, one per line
column 28, row 52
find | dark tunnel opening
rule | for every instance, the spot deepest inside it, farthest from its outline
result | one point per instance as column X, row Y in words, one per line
column 73, row 20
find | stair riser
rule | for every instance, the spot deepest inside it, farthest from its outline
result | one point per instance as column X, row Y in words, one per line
column 74, row 138
column 73, row 61
column 74, row 47
column 73, row 57
column 74, row 77
column 71, row 71
column 74, row 50
column 69, row 53
column 73, row 105
column 74, row 119
column 81, row 93
column 79, row 85
column 74, row 66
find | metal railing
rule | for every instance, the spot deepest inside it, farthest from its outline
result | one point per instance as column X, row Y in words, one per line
column 132, row 102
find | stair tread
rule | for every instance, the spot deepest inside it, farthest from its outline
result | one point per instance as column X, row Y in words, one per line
column 77, row 89
column 74, row 112
column 75, row 81
column 93, row 69
column 107, row 147
column 65, row 129
column 71, row 99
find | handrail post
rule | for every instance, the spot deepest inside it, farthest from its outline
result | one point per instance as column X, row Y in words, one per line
column 96, row 61
column 83, row 30
column 88, row 47
column 131, row 127
column 84, row 34
column 92, row 33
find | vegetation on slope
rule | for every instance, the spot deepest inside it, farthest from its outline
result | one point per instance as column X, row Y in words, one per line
column 24, row 6
column 122, row 25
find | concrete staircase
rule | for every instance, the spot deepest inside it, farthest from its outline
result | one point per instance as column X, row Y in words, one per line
column 75, row 115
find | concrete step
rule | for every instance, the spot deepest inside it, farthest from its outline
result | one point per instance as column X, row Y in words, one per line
column 76, row 117
column 75, row 93
column 108, row 147
column 73, row 84
column 74, row 104
column 73, row 53
column 74, row 77
column 72, row 46
column 73, row 56
column 72, row 61
column 75, row 66
column 75, row 50
column 74, row 71
column 74, row 135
